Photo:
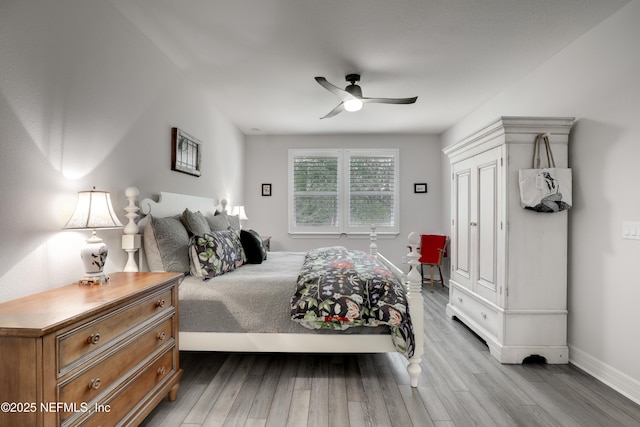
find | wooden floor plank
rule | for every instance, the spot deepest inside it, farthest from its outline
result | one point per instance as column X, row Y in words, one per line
column 174, row 413
column 338, row 414
column 299, row 408
column 357, row 415
column 253, row 422
column 267, row 389
column 279, row 411
column 239, row 411
column 305, row 372
column 353, row 380
column 449, row 400
column 390, row 391
column 416, row 409
column 221, row 410
column 215, row 389
column 434, row 405
column 319, row 400
column 375, row 409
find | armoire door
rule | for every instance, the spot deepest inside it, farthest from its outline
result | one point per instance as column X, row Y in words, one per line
column 487, row 223
column 477, row 223
column 461, row 244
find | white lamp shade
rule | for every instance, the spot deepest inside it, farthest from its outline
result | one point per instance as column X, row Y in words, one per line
column 93, row 211
column 239, row 210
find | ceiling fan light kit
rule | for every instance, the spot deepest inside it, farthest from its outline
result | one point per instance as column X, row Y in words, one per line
column 351, row 96
column 352, row 105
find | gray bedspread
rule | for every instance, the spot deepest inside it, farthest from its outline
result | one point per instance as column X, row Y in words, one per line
column 253, row 298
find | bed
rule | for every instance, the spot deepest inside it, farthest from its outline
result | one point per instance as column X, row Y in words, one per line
column 248, row 314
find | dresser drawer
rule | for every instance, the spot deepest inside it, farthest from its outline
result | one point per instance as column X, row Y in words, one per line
column 116, row 408
column 101, row 378
column 476, row 311
column 90, row 337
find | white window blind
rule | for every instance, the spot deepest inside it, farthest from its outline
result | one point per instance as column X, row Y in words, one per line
column 343, row 191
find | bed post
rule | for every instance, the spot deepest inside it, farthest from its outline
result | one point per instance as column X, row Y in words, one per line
column 373, row 246
column 131, row 238
column 416, row 307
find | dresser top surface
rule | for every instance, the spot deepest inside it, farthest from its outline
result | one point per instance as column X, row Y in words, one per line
column 39, row 314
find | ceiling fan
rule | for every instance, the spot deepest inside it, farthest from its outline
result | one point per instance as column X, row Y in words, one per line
column 351, row 97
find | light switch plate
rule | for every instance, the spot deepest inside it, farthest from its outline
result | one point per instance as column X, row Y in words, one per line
column 631, row 230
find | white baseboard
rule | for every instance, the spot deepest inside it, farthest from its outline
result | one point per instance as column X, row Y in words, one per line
column 615, row 379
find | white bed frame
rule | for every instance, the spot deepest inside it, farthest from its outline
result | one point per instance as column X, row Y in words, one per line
column 172, row 204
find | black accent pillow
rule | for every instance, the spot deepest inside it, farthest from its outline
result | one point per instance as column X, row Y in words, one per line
column 253, row 247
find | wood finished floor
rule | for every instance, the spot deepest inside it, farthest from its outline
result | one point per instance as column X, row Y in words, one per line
column 461, row 386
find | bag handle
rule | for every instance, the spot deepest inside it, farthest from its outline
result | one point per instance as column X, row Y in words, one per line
column 536, row 151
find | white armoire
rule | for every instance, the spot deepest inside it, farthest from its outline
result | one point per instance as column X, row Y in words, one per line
column 508, row 278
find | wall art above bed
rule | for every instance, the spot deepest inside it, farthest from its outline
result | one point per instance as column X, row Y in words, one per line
column 185, row 152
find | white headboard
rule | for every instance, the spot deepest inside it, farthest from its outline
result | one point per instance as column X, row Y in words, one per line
column 174, row 204
column 168, row 204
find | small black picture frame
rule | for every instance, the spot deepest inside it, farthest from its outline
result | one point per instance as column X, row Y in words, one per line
column 420, row 187
column 266, row 190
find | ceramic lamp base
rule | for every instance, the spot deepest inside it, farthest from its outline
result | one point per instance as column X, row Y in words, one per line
column 94, row 256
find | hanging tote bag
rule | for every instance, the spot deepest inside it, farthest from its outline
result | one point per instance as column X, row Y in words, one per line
column 545, row 189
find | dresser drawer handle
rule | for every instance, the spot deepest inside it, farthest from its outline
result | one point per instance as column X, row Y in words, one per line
column 94, row 384
column 460, row 299
column 483, row 314
column 93, row 338
column 161, row 336
column 162, row 370
column 160, row 303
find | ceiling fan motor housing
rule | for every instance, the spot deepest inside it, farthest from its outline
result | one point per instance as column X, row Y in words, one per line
column 353, row 88
column 352, row 78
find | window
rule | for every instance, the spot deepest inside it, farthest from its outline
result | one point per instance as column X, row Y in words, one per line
column 343, row 191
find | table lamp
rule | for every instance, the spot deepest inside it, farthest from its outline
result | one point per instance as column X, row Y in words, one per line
column 93, row 212
column 239, row 210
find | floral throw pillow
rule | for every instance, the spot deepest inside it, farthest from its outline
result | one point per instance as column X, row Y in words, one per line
column 215, row 253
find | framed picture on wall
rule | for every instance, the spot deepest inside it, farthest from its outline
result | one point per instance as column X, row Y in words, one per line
column 185, row 152
column 420, row 187
column 266, row 189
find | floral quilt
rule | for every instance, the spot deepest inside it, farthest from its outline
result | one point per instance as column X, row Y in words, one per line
column 339, row 288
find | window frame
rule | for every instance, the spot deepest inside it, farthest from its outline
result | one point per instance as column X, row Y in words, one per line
column 344, row 192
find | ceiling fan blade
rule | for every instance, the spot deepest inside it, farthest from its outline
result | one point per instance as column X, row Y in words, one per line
column 339, row 109
column 341, row 93
column 390, row 100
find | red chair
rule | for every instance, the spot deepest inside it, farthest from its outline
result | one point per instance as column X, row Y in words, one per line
column 433, row 248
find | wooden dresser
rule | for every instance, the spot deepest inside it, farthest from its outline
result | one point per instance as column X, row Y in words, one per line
column 90, row 355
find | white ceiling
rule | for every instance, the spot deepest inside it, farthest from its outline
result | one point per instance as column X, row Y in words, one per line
column 259, row 57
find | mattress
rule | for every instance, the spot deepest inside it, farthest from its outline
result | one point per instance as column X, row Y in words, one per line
column 253, row 298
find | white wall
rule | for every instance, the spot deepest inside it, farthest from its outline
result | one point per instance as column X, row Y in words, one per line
column 86, row 100
column 266, row 162
column 596, row 80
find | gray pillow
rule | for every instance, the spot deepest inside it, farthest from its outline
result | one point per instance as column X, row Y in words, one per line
column 234, row 220
column 166, row 244
column 218, row 222
column 195, row 222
